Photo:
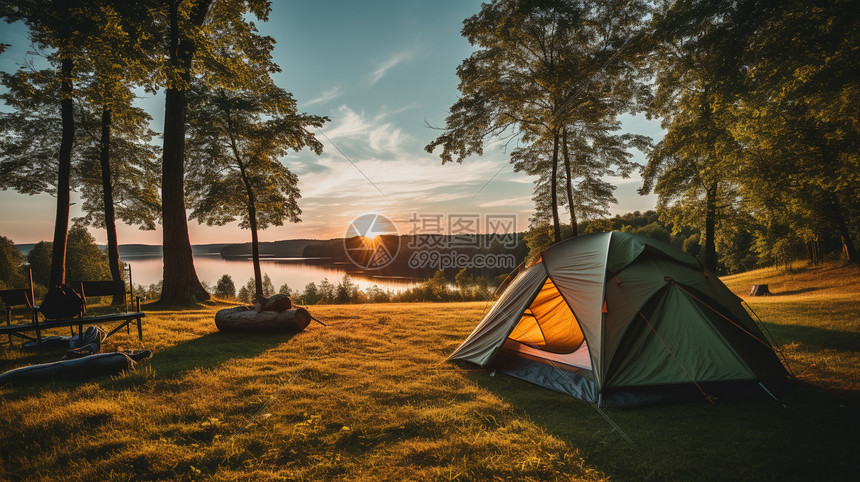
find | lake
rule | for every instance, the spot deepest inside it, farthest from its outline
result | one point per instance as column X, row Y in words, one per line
column 147, row 270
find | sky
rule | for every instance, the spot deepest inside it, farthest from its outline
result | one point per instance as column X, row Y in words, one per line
column 383, row 72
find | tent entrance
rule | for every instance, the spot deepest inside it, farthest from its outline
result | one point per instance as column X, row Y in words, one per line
column 548, row 325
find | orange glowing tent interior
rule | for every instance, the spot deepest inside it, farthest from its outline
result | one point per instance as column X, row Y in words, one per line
column 548, row 323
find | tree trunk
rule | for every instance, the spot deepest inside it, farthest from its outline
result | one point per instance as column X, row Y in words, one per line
column 64, row 172
column 181, row 285
column 255, row 241
column 553, row 188
column 568, row 183
column 252, row 213
column 710, row 256
column 107, row 197
column 838, row 217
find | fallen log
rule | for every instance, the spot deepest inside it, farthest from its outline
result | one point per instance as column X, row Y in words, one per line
column 243, row 319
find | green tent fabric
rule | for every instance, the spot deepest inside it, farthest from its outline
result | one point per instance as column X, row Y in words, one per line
column 641, row 322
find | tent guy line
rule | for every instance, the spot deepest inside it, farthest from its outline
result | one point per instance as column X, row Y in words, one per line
column 562, row 372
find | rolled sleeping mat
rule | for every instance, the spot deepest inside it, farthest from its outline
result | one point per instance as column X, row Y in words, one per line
column 78, row 369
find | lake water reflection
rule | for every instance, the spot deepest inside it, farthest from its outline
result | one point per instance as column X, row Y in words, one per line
column 147, row 270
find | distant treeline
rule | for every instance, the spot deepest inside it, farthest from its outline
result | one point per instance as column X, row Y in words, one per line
column 739, row 246
column 464, row 288
column 421, row 256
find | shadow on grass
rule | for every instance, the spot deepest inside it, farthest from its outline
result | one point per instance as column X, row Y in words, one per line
column 209, row 351
column 795, row 292
column 813, row 439
column 816, row 338
column 158, row 306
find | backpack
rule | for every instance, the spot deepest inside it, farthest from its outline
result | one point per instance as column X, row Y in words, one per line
column 62, row 301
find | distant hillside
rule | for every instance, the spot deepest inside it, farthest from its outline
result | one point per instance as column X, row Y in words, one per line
column 291, row 248
column 138, row 250
column 208, row 249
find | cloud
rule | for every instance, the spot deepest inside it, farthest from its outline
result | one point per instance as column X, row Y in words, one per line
column 355, row 132
column 507, row 202
column 326, row 95
column 389, row 64
column 413, row 182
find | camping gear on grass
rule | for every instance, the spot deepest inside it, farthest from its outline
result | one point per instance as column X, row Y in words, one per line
column 62, row 301
column 618, row 319
column 53, row 342
column 87, row 343
column 82, row 368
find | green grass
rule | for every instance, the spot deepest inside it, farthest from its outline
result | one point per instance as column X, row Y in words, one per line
column 370, row 397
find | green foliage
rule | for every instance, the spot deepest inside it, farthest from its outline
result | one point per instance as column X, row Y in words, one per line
column 437, row 288
column 286, row 291
column 533, row 64
column 84, row 260
column 762, row 141
column 648, row 224
column 268, row 286
column 541, row 237
column 151, row 292
column 311, row 295
column 346, row 290
column 247, row 293
column 39, row 259
column 236, row 140
column 133, row 168
column 29, row 139
column 375, row 294
column 225, row 287
column 326, row 291
column 11, row 265
column 217, row 44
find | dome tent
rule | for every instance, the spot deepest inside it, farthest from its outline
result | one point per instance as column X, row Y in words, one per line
column 619, row 319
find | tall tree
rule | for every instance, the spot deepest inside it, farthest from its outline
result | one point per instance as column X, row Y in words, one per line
column 39, row 260
column 30, row 139
column 60, row 25
column 235, row 141
column 215, row 41
column 117, row 171
column 799, row 114
column 590, row 154
column 540, row 65
column 688, row 168
column 779, row 129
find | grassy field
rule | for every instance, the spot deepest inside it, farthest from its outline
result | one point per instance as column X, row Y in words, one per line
column 370, row 397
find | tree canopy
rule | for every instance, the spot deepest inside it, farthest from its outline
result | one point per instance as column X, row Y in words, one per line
column 236, row 140
column 539, row 67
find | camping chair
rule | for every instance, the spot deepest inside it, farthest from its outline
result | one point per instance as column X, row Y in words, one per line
column 20, row 297
column 108, row 288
